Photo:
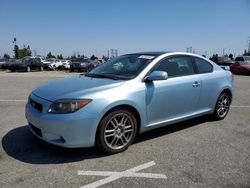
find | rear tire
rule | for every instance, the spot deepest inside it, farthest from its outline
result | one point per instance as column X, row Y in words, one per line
column 116, row 131
column 222, row 106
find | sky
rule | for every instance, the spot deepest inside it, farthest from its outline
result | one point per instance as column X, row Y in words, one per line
column 94, row 26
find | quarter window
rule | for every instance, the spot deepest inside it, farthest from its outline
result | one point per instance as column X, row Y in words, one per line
column 176, row 66
column 203, row 66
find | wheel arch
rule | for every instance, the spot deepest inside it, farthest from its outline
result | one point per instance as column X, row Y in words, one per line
column 128, row 107
column 226, row 89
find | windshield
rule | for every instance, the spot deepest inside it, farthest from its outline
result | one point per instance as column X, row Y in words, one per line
column 123, row 67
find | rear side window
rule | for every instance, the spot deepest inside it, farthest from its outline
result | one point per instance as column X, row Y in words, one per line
column 239, row 59
column 203, row 66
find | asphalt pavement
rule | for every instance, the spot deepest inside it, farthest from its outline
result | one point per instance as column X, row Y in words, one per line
column 194, row 153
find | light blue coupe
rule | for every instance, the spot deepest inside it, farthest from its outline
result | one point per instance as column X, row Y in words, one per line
column 128, row 95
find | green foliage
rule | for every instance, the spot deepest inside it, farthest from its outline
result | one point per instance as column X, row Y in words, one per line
column 214, row 58
column 16, row 49
column 6, row 56
column 49, row 55
column 59, row 56
column 93, row 57
column 231, row 56
column 105, row 58
column 246, row 53
column 20, row 53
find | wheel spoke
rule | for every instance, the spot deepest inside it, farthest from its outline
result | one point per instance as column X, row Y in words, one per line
column 124, row 137
column 109, row 133
column 113, row 141
column 114, row 124
column 219, row 111
column 124, row 120
column 123, row 142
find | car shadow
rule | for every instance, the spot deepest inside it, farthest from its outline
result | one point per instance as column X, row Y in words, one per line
column 22, row 145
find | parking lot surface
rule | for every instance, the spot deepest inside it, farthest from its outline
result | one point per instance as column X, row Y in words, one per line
column 194, row 153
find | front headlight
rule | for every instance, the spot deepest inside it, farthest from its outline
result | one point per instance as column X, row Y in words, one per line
column 65, row 106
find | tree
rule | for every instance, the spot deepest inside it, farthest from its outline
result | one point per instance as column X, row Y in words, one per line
column 93, row 57
column 231, row 56
column 6, row 56
column 246, row 53
column 16, row 49
column 214, row 58
column 59, row 56
column 73, row 57
column 49, row 55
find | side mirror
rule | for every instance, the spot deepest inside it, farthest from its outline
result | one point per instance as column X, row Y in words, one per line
column 157, row 75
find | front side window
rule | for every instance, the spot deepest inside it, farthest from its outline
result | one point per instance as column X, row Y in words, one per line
column 176, row 66
column 203, row 66
column 123, row 67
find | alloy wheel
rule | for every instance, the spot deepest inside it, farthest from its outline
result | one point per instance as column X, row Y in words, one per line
column 223, row 105
column 119, row 131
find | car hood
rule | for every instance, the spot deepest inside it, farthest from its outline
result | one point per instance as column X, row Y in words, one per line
column 73, row 87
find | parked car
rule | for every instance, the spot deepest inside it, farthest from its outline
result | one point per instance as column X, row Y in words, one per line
column 225, row 62
column 26, row 64
column 52, row 63
column 65, row 65
column 7, row 63
column 241, row 65
column 128, row 95
column 2, row 61
column 84, row 66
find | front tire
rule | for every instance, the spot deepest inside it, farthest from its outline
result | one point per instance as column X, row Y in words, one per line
column 222, row 106
column 116, row 131
column 41, row 69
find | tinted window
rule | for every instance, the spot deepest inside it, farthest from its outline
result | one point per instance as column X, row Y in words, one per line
column 203, row 66
column 239, row 59
column 176, row 66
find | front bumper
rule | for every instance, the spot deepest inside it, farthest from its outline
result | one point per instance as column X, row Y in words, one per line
column 67, row 130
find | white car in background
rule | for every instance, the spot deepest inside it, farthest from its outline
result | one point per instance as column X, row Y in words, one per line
column 66, row 64
column 52, row 63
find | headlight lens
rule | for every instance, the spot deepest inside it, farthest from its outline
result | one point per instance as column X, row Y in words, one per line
column 65, row 106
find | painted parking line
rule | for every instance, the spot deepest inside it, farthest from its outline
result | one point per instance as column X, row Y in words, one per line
column 112, row 176
column 12, row 100
column 234, row 106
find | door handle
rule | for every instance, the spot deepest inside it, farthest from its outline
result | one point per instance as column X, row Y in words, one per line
column 196, row 84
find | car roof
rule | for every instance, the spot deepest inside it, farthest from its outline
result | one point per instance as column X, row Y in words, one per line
column 150, row 53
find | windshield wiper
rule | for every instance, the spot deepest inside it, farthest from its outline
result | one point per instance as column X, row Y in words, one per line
column 98, row 75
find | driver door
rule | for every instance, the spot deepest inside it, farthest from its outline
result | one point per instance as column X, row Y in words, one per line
column 176, row 97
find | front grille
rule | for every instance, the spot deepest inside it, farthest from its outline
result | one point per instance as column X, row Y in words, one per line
column 36, row 130
column 36, row 105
